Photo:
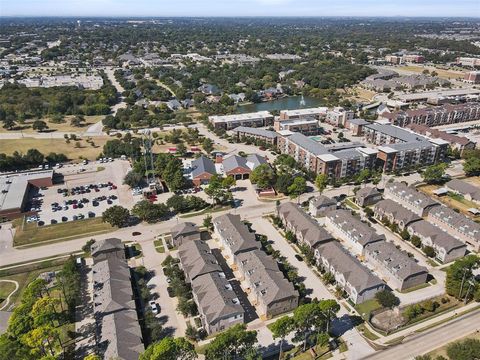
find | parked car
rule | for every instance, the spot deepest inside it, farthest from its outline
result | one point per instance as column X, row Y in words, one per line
column 153, row 307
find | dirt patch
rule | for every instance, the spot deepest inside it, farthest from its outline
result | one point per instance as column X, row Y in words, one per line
column 388, row 320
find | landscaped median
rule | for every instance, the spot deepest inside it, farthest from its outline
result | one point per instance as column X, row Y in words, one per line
column 30, row 234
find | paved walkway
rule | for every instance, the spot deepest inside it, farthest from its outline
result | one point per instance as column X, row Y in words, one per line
column 7, row 300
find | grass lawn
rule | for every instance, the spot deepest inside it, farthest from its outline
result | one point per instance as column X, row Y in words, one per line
column 366, row 332
column 205, row 211
column 62, row 127
column 350, row 203
column 159, row 246
column 31, row 234
column 367, row 307
column 445, row 74
column 45, row 146
column 415, row 288
column 307, row 355
column 5, row 289
column 442, row 351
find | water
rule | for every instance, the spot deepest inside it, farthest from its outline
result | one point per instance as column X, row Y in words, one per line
column 287, row 103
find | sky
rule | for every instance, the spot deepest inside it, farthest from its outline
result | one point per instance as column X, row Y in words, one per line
column 151, row 8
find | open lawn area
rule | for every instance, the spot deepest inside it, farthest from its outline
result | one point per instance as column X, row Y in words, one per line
column 442, row 351
column 367, row 307
column 45, row 146
column 445, row 74
column 361, row 94
column 62, row 127
column 31, row 234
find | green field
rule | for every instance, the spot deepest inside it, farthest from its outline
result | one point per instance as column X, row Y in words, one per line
column 367, row 307
column 31, row 234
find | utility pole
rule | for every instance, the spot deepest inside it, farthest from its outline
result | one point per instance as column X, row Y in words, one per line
column 463, row 280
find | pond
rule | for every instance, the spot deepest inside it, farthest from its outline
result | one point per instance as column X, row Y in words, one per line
column 286, row 103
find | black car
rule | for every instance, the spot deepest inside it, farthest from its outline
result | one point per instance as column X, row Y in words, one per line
column 64, row 219
column 298, row 257
column 91, row 214
column 170, row 291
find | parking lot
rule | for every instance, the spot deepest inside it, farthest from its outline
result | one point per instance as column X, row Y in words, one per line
column 86, row 192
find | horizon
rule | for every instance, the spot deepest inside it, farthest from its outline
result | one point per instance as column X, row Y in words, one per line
column 241, row 8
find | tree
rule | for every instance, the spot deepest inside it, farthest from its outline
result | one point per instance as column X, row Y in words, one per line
column 283, row 182
column 207, row 145
column 39, row 125
column 234, row 343
column 429, row 251
column 207, row 222
column 434, row 174
column 329, row 309
column 464, row 350
column 170, row 348
column 321, row 182
column 228, row 182
column 306, row 317
column 298, row 187
column 92, row 357
column 9, row 123
column 149, row 212
column 77, row 121
column 263, row 176
column 116, row 216
column 41, row 340
column 387, row 299
column 181, row 149
column 44, row 311
column 459, row 273
column 216, row 191
column 133, row 179
column 416, row 241
column 471, row 166
column 404, row 234
column 173, row 175
column 281, row 328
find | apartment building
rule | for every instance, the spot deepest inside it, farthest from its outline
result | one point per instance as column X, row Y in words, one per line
column 436, row 116
column 339, row 116
column 316, row 113
column 403, row 272
column 394, row 213
column 303, row 226
column 305, row 126
column 410, row 198
column 270, row 137
column 456, row 224
column 356, row 126
column 272, row 293
column 350, row 274
column 356, row 234
column 447, row 248
column 230, row 122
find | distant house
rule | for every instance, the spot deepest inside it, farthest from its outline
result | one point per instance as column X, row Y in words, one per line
column 209, row 89
column 237, row 167
column 320, row 205
column 467, row 190
column 174, row 105
column 203, row 169
column 304, row 227
column 447, row 248
column 350, row 274
column 185, row 231
column 367, row 196
column 395, row 213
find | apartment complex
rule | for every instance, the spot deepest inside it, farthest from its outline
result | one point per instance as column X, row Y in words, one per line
column 316, row 113
column 305, row 126
column 441, row 115
column 196, row 259
column 350, row 274
column 229, row 122
column 447, row 248
column 118, row 333
column 339, row 116
column 458, row 225
column 270, row 137
column 394, row 213
column 410, row 198
column 305, row 228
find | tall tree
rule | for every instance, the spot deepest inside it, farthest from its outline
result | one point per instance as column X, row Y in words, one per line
column 116, row 216
column 321, row 182
column 281, row 328
column 263, row 176
column 234, row 343
column 169, row 348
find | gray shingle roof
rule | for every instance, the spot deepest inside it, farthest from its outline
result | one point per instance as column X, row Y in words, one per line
column 464, row 188
column 439, row 237
column 308, row 144
column 366, row 191
column 184, row 228
column 354, row 272
column 233, row 162
column 311, row 231
column 236, row 233
column 395, row 131
column 394, row 260
column 197, row 259
column 256, row 131
column 202, row 165
column 322, row 200
column 400, row 214
column 254, row 160
column 458, row 221
column 410, row 194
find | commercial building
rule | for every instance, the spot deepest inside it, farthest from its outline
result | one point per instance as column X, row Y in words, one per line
column 472, row 77
column 237, row 166
column 196, row 259
column 394, row 213
column 350, row 275
column 229, row 122
column 356, row 234
column 118, row 331
column 436, row 116
column 185, row 232
column 367, row 196
column 14, row 190
column 438, row 97
column 270, row 137
column 458, row 225
column 447, row 248
column 272, row 293
column 410, row 198
column 203, row 169
column 218, row 305
column 234, row 235
column 304, row 227
column 468, row 61
column 403, row 271
column 320, row 205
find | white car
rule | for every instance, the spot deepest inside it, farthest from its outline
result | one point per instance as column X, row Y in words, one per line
column 154, row 307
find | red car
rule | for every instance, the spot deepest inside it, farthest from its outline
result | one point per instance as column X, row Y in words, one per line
column 114, row 187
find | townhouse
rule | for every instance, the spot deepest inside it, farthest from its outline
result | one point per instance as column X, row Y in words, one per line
column 304, row 227
column 367, row 196
column 447, row 248
column 410, row 198
column 320, row 205
column 350, row 275
column 396, row 214
column 356, row 234
column 185, row 232
column 269, row 137
column 464, row 188
column 196, row 259
column 441, row 115
column 218, row 305
column 234, row 235
column 456, row 224
column 230, row 122
column 272, row 293
column 403, row 272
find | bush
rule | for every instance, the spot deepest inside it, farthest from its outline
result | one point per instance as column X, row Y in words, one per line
column 387, row 299
column 416, row 241
column 429, row 251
